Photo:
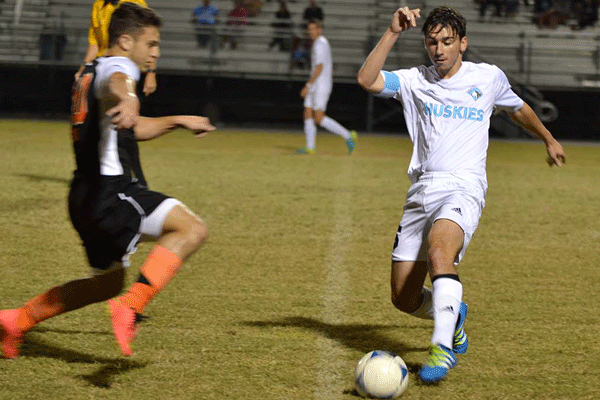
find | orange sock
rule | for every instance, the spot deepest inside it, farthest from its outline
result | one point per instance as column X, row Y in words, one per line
column 42, row 307
column 159, row 268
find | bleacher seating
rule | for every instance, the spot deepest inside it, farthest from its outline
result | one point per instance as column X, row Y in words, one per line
column 549, row 58
column 20, row 42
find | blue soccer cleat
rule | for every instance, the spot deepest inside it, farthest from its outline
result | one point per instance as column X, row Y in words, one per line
column 306, row 150
column 351, row 142
column 461, row 342
column 439, row 361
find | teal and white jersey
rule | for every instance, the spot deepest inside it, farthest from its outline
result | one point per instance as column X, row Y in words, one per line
column 321, row 54
column 448, row 120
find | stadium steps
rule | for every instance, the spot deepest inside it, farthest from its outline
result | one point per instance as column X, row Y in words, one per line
column 21, row 42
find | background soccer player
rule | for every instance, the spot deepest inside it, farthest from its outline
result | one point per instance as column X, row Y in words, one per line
column 316, row 93
column 447, row 107
column 109, row 203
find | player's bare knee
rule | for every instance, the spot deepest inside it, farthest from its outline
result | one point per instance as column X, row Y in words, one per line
column 197, row 233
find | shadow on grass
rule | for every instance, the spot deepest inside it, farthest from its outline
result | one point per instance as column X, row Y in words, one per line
column 45, row 178
column 42, row 329
column 360, row 337
column 103, row 377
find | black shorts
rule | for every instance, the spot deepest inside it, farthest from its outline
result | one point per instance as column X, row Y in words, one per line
column 109, row 223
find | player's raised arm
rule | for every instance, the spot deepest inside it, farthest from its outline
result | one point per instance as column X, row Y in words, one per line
column 127, row 111
column 369, row 76
column 527, row 118
column 150, row 128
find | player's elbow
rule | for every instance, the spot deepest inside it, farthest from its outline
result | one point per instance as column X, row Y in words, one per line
column 367, row 84
column 362, row 82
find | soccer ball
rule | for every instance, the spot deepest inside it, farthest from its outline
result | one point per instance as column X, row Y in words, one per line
column 381, row 375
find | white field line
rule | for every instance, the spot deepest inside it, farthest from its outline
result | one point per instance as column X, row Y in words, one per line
column 332, row 374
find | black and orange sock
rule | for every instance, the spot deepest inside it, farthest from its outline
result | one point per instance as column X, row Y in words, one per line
column 158, row 270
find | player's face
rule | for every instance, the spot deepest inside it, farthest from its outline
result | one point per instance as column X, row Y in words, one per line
column 445, row 50
column 145, row 51
column 313, row 31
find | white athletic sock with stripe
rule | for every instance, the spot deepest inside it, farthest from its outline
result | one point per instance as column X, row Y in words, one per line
column 425, row 310
column 310, row 130
column 334, row 127
column 447, row 296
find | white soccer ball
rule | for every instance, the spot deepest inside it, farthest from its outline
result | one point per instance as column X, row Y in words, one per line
column 381, row 375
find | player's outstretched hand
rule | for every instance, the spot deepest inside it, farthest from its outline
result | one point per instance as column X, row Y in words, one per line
column 199, row 125
column 556, row 154
column 125, row 114
column 405, row 19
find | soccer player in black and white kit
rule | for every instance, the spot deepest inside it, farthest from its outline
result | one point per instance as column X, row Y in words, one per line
column 109, row 202
column 447, row 107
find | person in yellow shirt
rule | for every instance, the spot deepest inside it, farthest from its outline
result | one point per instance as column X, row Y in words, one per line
column 102, row 10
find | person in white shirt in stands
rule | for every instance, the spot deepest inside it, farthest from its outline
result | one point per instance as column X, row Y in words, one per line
column 316, row 93
column 447, row 107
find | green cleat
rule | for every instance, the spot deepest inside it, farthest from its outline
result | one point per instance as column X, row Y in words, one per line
column 305, row 150
column 461, row 342
column 351, row 143
column 439, row 361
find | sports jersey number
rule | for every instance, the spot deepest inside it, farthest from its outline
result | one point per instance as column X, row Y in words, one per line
column 79, row 103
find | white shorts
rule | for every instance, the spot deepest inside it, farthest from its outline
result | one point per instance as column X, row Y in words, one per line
column 317, row 100
column 437, row 196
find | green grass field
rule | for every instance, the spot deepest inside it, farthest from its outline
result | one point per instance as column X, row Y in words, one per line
column 292, row 288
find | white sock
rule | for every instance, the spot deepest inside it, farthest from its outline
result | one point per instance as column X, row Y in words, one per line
column 447, row 295
column 310, row 130
column 334, row 127
column 425, row 310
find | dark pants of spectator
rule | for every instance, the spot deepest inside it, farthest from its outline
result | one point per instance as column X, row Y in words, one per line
column 206, row 36
column 485, row 3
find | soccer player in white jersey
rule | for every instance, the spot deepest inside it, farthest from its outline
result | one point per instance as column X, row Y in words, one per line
column 447, row 107
column 110, row 204
column 316, row 93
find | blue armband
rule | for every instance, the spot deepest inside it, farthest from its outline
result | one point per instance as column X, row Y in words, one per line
column 391, row 84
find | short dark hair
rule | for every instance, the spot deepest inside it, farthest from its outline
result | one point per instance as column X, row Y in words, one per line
column 445, row 17
column 130, row 18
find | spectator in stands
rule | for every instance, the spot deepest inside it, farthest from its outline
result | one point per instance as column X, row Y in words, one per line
column 511, row 7
column 236, row 23
column 205, row 18
column 484, row 4
column 283, row 28
column 586, row 13
column 312, row 13
column 252, row 7
column 102, row 10
column 300, row 55
column 558, row 14
column 539, row 7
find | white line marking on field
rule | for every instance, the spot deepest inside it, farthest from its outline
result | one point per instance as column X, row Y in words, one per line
column 332, row 376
